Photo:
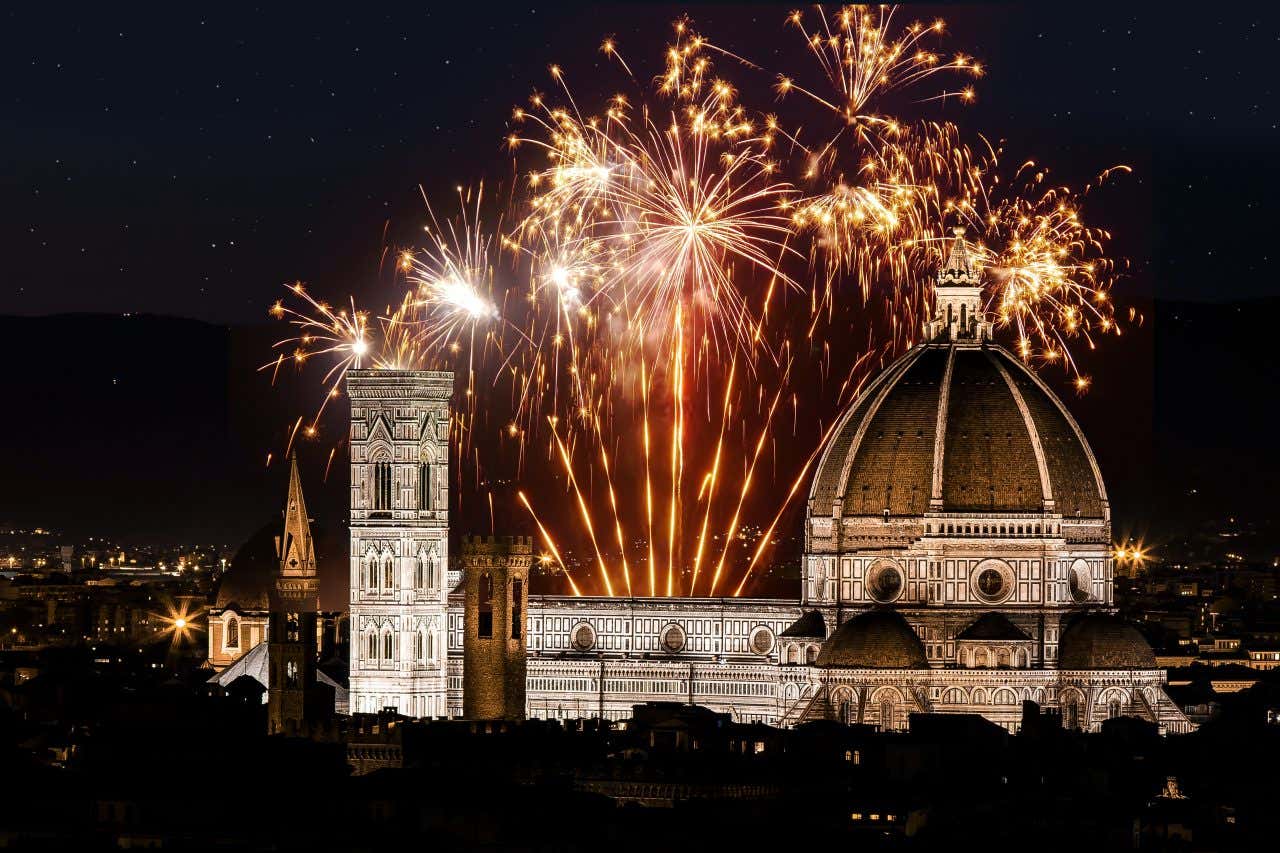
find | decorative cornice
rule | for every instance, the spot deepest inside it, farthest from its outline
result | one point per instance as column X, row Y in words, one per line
column 1088, row 451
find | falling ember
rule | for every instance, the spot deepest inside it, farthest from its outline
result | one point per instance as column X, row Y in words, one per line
column 675, row 261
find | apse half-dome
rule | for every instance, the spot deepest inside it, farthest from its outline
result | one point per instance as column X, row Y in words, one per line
column 1103, row 641
column 876, row 639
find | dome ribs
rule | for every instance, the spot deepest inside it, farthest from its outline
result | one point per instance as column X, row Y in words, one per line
column 832, row 473
column 1077, row 488
column 940, row 432
column 1019, row 398
column 960, row 428
column 989, row 460
column 893, row 467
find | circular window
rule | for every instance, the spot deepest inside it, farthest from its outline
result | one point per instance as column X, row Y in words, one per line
column 673, row 638
column 762, row 641
column 992, row 580
column 1079, row 580
column 884, row 582
column 584, row 637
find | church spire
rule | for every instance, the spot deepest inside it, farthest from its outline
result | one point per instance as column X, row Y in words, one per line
column 295, row 549
column 292, row 696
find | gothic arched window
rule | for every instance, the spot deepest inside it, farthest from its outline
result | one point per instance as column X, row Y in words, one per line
column 371, row 572
column 232, row 640
column 431, row 646
column 424, row 485
column 1113, row 708
column 419, row 574
column 388, row 648
column 371, row 647
column 380, row 485
column 388, row 573
column 418, row 646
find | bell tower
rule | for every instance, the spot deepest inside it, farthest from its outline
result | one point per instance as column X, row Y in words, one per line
column 400, row 585
column 291, row 678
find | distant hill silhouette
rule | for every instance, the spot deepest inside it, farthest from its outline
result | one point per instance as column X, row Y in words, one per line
column 159, row 427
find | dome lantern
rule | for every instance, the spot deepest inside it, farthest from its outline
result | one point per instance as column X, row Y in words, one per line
column 957, row 313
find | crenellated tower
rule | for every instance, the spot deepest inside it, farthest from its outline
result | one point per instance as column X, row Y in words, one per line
column 400, row 582
column 496, row 578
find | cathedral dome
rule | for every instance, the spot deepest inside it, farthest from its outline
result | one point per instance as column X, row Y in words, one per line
column 251, row 575
column 1103, row 641
column 959, row 426
column 247, row 582
column 877, row 639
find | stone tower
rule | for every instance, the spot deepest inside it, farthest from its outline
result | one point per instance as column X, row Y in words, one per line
column 495, row 573
column 399, row 447
column 291, row 689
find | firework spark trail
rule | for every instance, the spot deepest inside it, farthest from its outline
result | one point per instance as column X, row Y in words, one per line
column 795, row 486
column 550, row 543
column 613, row 502
column 732, row 529
column 667, row 231
column 648, row 480
column 866, row 57
column 585, row 512
column 713, row 477
column 677, row 448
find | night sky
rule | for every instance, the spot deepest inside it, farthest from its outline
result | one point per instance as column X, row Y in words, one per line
column 187, row 162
